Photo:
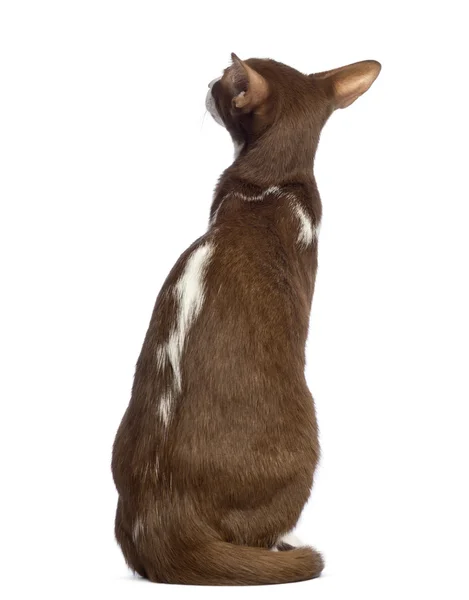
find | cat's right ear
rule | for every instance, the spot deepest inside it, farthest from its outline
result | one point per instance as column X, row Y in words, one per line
column 248, row 89
column 345, row 84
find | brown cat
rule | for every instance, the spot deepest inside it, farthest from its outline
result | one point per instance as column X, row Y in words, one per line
column 215, row 456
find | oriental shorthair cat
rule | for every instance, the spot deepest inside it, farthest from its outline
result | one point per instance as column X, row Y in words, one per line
column 215, row 456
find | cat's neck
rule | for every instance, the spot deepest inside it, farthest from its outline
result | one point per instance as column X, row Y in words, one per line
column 278, row 157
column 266, row 167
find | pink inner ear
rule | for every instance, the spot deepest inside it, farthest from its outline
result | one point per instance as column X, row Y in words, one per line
column 247, row 87
column 351, row 82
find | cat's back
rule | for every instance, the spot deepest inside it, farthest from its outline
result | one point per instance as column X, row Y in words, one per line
column 228, row 330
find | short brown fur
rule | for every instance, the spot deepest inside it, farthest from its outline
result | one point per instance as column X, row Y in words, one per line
column 204, row 499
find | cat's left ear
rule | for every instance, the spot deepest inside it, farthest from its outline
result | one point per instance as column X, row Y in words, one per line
column 248, row 88
column 345, row 84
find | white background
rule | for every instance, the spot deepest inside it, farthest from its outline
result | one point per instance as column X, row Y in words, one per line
column 107, row 170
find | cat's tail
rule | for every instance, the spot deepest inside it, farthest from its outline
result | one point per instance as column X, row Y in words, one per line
column 221, row 563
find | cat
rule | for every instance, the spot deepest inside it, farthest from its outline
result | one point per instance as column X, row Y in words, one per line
column 215, row 456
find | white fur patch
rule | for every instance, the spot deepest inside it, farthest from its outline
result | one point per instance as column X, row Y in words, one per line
column 273, row 189
column 291, row 539
column 165, row 406
column 189, row 292
column 306, row 233
column 237, row 149
column 160, row 356
column 257, row 198
column 137, row 529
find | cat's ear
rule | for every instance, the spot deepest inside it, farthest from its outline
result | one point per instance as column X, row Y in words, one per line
column 345, row 84
column 248, row 88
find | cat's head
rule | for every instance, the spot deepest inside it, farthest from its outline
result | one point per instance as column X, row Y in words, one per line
column 253, row 95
